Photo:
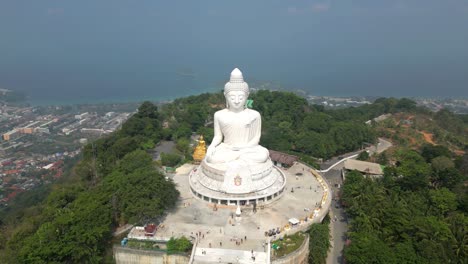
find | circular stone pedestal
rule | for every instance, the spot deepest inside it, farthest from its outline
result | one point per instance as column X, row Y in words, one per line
column 235, row 183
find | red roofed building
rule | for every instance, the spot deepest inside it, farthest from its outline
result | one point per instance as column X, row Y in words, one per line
column 7, row 162
column 150, row 230
column 9, row 172
column 281, row 159
column 12, row 194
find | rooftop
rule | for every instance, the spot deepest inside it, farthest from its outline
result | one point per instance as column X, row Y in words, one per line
column 363, row 166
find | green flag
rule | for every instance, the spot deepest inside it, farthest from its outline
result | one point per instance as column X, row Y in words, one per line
column 249, row 103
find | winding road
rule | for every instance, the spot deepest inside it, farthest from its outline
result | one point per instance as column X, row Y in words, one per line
column 331, row 170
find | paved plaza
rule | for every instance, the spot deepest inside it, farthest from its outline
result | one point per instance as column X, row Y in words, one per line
column 224, row 237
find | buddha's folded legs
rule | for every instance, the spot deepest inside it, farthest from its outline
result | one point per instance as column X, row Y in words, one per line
column 256, row 154
column 223, row 154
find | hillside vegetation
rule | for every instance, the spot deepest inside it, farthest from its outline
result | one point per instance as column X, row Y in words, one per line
column 290, row 124
column 415, row 129
column 417, row 212
column 117, row 182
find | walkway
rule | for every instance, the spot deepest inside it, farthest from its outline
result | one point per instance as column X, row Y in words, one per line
column 220, row 255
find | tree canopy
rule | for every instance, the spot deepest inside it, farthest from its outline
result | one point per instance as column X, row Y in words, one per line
column 407, row 216
column 115, row 183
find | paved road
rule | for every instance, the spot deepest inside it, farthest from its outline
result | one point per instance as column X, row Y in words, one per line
column 381, row 146
column 328, row 163
column 122, row 229
column 163, row 146
column 339, row 227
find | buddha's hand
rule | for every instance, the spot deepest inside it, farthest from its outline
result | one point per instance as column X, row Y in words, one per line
column 237, row 148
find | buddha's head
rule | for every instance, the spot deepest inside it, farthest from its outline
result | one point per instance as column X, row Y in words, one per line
column 236, row 91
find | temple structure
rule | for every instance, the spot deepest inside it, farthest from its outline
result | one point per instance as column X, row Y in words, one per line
column 236, row 169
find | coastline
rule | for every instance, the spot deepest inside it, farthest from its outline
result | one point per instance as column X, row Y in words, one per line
column 116, row 100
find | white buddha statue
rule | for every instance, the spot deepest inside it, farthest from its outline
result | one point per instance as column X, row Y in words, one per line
column 237, row 129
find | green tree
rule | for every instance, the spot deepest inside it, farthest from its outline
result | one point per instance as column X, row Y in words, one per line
column 449, row 178
column 441, row 163
column 182, row 131
column 181, row 244
column 319, row 236
column 147, row 109
column 458, row 224
column 207, row 132
column 367, row 248
column 405, row 253
column 382, row 158
column 413, row 171
column 429, row 151
column 364, row 156
column 170, row 160
column 316, row 121
column 442, row 201
column 183, row 145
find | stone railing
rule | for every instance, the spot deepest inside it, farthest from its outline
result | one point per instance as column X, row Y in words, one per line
column 125, row 255
column 194, row 247
column 300, row 256
column 325, row 204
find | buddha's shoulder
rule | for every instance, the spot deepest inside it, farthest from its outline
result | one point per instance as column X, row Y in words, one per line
column 227, row 112
column 252, row 112
column 221, row 112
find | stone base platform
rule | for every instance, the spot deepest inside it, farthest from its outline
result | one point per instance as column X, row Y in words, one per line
column 264, row 190
column 221, row 230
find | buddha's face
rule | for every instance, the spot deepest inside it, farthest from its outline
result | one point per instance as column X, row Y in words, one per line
column 236, row 100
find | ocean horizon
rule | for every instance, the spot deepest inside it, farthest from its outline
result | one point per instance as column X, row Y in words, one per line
column 73, row 52
column 165, row 84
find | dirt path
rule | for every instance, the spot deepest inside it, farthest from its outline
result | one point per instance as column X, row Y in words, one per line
column 428, row 137
column 122, row 229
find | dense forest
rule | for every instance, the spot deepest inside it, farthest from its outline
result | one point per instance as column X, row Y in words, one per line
column 290, row 124
column 319, row 241
column 117, row 182
column 415, row 213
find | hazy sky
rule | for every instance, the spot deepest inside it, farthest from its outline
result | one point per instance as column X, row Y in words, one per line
column 99, row 49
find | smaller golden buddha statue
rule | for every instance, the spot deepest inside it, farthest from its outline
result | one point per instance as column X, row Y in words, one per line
column 200, row 150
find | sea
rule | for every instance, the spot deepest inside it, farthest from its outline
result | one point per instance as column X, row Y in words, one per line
column 71, row 52
column 163, row 79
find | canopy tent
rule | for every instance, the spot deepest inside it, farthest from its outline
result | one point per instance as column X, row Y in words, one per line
column 293, row 221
